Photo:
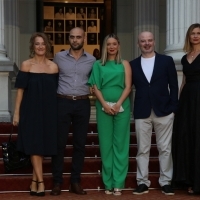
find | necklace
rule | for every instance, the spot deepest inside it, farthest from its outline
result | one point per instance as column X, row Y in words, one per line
column 193, row 54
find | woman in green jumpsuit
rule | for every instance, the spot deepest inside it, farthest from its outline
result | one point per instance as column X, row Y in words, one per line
column 111, row 80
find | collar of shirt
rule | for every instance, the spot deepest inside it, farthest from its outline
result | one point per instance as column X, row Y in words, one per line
column 69, row 54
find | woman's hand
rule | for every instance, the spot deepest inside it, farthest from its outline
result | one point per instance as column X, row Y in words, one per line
column 18, row 100
column 15, row 119
column 116, row 108
column 91, row 90
column 108, row 109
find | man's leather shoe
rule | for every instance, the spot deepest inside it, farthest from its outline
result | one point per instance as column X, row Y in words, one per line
column 56, row 190
column 76, row 188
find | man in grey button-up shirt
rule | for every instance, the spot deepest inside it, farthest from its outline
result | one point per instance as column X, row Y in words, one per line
column 73, row 75
column 73, row 108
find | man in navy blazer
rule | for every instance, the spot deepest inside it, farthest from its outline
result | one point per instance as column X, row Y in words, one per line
column 156, row 100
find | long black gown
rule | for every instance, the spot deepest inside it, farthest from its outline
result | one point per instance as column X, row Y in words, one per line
column 186, row 132
column 37, row 132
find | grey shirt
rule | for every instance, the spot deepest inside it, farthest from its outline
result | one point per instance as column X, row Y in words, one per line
column 73, row 74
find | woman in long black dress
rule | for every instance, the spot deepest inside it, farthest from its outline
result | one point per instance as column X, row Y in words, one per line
column 186, row 135
column 35, row 108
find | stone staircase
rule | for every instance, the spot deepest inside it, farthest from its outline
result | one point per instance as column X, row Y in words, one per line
column 20, row 180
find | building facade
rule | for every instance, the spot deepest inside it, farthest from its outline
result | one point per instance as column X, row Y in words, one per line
column 167, row 19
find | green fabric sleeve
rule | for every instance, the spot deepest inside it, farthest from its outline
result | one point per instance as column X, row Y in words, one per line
column 95, row 77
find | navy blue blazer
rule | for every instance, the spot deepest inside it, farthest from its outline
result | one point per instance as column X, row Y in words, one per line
column 161, row 94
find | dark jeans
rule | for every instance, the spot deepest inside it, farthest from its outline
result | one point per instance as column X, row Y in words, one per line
column 77, row 113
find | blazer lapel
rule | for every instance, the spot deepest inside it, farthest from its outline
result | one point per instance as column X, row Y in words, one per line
column 156, row 67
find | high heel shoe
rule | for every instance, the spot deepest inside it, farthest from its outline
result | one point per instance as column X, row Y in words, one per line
column 33, row 193
column 40, row 194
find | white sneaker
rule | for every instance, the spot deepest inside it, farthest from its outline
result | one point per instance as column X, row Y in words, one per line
column 117, row 192
column 108, row 191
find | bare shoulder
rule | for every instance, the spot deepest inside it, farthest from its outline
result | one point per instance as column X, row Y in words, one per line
column 126, row 64
column 53, row 66
column 26, row 65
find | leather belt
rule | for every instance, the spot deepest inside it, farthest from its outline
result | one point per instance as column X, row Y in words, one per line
column 73, row 97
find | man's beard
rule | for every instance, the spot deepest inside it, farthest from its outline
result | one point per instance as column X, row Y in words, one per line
column 80, row 46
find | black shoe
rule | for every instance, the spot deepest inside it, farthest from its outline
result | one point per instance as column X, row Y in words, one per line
column 77, row 189
column 141, row 189
column 41, row 194
column 33, row 193
column 167, row 190
column 56, row 189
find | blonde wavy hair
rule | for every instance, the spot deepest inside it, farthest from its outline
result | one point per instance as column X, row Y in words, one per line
column 104, row 53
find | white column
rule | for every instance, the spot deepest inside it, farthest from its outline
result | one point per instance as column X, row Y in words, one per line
column 180, row 15
column 146, row 18
column 6, row 72
column 12, row 31
column 2, row 47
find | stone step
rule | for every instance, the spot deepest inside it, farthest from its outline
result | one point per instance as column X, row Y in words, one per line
column 88, row 181
column 19, row 180
column 91, row 165
column 92, row 139
column 92, row 151
column 7, row 128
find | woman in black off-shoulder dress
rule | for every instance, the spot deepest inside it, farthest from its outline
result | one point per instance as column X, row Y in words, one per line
column 35, row 108
column 186, row 133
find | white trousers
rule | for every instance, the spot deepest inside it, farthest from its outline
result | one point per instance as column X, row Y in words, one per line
column 163, row 131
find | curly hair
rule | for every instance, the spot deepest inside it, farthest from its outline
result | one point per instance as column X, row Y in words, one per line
column 46, row 42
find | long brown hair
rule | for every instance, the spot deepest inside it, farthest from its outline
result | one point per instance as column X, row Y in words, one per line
column 46, row 42
column 188, row 46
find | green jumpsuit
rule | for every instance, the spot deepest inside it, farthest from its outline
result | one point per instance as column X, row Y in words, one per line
column 113, row 130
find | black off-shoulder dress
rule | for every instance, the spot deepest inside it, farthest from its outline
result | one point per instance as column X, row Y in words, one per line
column 37, row 131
